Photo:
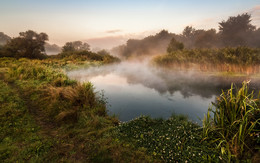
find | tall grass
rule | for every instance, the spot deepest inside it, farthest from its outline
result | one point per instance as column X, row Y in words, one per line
column 235, row 122
column 240, row 59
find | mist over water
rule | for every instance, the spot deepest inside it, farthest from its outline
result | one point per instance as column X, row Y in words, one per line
column 136, row 88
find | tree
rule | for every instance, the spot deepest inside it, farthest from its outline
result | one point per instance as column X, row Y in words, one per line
column 188, row 31
column 29, row 45
column 174, row 46
column 235, row 31
column 205, row 39
column 75, row 46
column 188, row 36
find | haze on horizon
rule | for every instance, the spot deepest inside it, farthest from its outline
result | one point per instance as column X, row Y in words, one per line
column 106, row 24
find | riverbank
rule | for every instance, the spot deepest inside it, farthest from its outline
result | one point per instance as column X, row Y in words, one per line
column 45, row 116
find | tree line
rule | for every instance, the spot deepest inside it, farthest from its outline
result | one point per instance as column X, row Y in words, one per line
column 30, row 44
column 234, row 32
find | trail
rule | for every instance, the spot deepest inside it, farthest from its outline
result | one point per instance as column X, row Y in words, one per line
column 47, row 128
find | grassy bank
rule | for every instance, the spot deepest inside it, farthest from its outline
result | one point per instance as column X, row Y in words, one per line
column 47, row 117
column 240, row 59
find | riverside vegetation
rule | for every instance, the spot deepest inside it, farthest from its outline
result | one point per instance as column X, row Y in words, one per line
column 232, row 60
column 47, row 117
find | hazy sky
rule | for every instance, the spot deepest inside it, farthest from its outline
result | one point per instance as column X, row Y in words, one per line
column 110, row 22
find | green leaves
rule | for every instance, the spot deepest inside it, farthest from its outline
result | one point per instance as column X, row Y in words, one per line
column 175, row 139
column 234, row 123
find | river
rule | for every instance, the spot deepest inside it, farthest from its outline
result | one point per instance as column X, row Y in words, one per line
column 135, row 88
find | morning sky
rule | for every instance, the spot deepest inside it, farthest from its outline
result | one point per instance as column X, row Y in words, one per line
column 107, row 23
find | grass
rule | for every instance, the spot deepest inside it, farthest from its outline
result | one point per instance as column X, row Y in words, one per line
column 19, row 131
column 235, row 123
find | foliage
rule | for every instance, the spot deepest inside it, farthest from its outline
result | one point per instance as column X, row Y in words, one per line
column 75, row 46
column 219, row 59
column 80, row 57
column 235, row 123
column 29, row 45
column 172, row 140
column 150, row 45
column 200, row 38
column 235, row 31
column 174, row 46
column 103, row 52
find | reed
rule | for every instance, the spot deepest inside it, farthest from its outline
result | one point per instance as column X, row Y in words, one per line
column 239, row 59
column 234, row 123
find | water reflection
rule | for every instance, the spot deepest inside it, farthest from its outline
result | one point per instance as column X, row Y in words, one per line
column 135, row 89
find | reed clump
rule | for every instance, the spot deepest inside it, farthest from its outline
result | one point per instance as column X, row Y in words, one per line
column 234, row 126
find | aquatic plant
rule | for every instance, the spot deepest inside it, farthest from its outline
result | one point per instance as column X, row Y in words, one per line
column 234, row 127
column 174, row 140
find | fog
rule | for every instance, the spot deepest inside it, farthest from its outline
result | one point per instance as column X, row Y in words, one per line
column 188, row 82
column 135, row 88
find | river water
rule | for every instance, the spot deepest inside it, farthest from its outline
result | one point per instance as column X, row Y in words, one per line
column 135, row 88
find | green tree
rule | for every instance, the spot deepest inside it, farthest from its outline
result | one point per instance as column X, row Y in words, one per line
column 75, row 46
column 174, row 45
column 29, row 45
column 235, row 31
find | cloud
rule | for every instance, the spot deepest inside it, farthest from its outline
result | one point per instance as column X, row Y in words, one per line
column 255, row 12
column 106, row 42
column 206, row 23
column 114, row 31
column 255, row 9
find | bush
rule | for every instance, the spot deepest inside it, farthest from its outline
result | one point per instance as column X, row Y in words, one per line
column 174, row 45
